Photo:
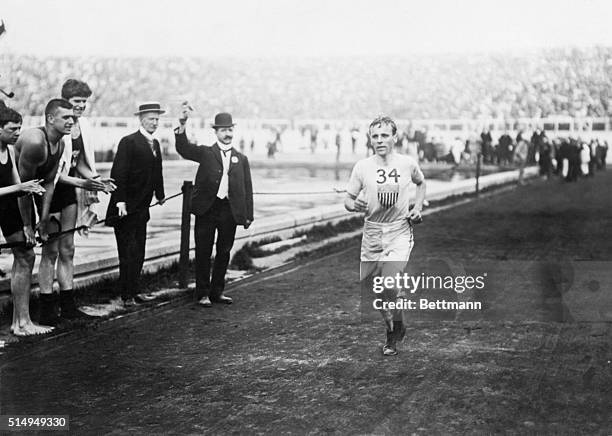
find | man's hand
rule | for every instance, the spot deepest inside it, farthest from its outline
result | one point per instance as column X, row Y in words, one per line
column 415, row 215
column 359, row 205
column 186, row 110
column 43, row 230
column 109, row 184
column 247, row 224
column 161, row 201
column 30, row 236
column 32, row 187
column 122, row 209
column 93, row 184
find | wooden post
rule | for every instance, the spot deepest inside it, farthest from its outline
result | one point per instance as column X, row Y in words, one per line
column 185, row 233
column 478, row 160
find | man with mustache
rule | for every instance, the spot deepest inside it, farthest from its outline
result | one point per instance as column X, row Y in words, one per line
column 222, row 199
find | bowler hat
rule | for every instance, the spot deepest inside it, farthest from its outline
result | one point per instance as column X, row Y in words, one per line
column 223, row 119
column 149, row 106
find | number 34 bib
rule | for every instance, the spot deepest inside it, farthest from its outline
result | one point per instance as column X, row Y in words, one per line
column 385, row 188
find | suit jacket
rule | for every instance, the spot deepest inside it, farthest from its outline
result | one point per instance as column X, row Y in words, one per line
column 138, row 174
column 208, row 178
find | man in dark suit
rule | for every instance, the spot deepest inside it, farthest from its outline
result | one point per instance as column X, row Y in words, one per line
column 222, row 199
column 137, row 170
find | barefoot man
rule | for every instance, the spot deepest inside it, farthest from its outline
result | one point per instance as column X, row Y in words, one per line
column 38, row 152
column 11, row 224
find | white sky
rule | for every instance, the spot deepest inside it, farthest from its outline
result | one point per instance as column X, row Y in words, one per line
column 306, row 27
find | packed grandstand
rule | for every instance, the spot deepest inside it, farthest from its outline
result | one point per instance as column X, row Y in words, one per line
column 570, row 82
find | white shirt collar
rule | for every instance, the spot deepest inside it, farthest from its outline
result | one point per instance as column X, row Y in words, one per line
column 224, row 147
column 146, row 134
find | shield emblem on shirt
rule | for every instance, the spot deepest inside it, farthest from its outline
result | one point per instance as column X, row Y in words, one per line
column 388, row 195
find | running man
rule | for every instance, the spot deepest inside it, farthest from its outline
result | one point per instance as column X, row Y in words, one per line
column 12, row 225
column 380, row 187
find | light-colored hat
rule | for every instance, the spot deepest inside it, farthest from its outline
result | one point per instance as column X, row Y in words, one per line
column 150, row 106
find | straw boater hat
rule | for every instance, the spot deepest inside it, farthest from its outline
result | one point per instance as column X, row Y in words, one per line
column 150, row 106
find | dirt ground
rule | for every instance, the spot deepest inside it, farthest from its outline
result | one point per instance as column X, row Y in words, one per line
column 297, row 354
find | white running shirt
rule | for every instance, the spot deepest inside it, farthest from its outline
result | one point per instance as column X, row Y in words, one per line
column 385, row 187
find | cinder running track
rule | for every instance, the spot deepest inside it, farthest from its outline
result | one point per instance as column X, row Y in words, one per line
column 293, row 355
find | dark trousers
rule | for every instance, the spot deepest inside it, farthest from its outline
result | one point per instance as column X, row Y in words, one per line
column 573, row 170
column 218, row 219
column 131, row 235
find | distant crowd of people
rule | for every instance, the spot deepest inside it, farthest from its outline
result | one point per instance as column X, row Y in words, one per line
column 572, row 82
column 569, row 157
column 572, row 158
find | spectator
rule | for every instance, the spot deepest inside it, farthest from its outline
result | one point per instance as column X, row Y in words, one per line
column 545, row 159
column 573, row 82
column 573, row 153
column 11, row 224
column 137, row 171
column 520, row 156
column 220, row 203
column 505, row 149
column 585, row 158
column 487, row 146
column 601, row 154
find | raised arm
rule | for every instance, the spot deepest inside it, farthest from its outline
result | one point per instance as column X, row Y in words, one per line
column 183, row 147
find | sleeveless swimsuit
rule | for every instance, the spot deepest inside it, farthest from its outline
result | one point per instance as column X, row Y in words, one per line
column 43, row 170
column 10, row 218
column 65, row 195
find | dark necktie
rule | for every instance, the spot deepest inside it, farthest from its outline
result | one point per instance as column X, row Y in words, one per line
column 152, row 145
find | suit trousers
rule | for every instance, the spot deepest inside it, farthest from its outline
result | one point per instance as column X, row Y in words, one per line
column 131, row 235
column 217, row 219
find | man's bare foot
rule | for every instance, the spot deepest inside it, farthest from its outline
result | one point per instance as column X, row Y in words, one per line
column 29, row 329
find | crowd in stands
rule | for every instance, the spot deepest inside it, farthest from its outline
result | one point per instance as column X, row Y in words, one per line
column 568, row 157
column 573, row 82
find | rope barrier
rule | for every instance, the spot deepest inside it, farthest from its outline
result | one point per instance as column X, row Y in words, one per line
column 334, row 191
column 54, row 236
